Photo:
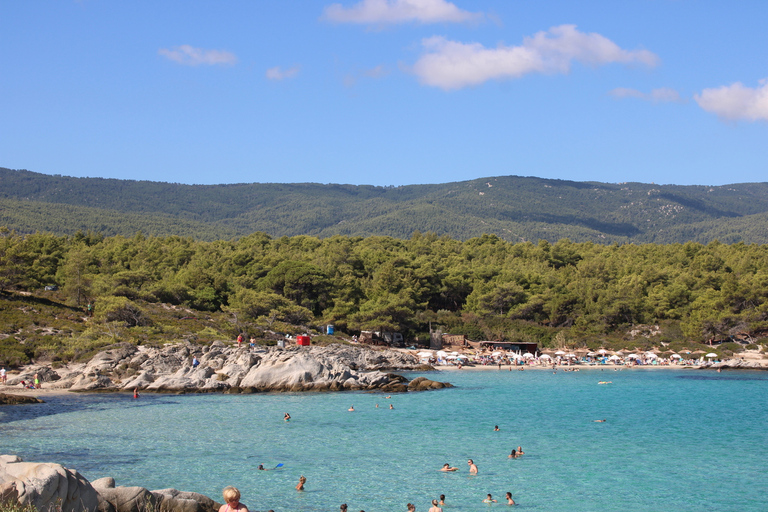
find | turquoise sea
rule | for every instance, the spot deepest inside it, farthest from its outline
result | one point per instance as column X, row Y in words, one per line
column 673, row 440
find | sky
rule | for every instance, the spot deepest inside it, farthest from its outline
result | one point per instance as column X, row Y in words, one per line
column 386, row 92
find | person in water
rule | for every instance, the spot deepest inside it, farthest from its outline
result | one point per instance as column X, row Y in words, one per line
column 232, row 501
column 287, row 417
column 599, row 421
column 411, row 507
column 351, row 408
column 520, row 451
column 472, row 467
column 302, row 481
column 489, row 499
column 447, row 467
column 509, row 499
column 496, row 428
column 442, row 500
column 391, row 406
column 434, row 507
column 513, row 455
column 261, row 467
column 135, row 392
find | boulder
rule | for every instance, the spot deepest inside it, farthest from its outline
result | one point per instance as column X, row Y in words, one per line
column 128, row 499
column 6, row 399
column 47, row 487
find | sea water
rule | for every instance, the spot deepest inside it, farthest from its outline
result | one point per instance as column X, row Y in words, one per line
column 673, row 440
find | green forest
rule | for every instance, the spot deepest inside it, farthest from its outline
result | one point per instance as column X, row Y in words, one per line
column 155, row 289
column 514, row 208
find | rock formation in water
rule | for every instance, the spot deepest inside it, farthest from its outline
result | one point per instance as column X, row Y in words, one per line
column 53, row 488
column 225, row 368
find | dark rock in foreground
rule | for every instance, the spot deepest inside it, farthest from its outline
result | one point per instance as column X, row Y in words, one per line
column 6, row 399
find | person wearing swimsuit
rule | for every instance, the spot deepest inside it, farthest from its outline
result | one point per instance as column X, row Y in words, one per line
column 232, row 500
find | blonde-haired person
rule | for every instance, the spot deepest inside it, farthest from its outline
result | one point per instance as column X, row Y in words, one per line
column 232, row 501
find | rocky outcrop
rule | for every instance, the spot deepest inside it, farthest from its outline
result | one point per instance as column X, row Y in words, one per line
column 6, row 399
column 54, row 488
column 46, row 486
column 226, row 368
column 735, row 364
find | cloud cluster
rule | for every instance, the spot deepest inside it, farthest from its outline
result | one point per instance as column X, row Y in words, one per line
column 379, row 12
column 736, row 101
column 277, row 73
column 454, row 65
column 191, row 56
column 661, row 95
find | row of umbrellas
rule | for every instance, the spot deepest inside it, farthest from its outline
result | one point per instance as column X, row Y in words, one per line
column 441, row 354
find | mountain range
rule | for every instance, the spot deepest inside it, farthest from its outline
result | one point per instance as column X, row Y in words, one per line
column 514, row 208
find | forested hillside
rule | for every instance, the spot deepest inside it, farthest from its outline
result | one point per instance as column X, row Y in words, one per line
column 484, row 287
column 513, row 208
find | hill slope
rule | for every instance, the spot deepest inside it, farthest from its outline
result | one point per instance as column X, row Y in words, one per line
column 514, row 208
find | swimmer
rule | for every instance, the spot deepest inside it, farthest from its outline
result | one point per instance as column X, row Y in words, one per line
column 261, row 467
column 447, row 467
column 377, row 406
column 599, row 421
column 232, row 501
column 390, row 396
column 411, row 507
column 391, row 406
column 351, row 408
column 489, row 499
column 520, row 451
column 434, row 507
column 287, row 417
column 512, row 455
column 343, row 507
column 135, row 392
column 302, row 481
column 442, row 499
column 472, row 467
column 496, row 428
column 509, row 499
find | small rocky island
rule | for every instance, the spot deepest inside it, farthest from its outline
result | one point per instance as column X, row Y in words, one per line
column 223, row 368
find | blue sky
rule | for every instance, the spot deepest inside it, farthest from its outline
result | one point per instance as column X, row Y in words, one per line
column 386, row 92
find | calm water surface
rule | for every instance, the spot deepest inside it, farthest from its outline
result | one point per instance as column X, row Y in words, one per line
column 688, row 440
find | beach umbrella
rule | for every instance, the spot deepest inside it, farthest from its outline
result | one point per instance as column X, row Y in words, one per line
column 559, row 353
column 651, row 355
column 676, row 356
column 461, row 356
column 515, row 356
column 545, row 356
column 570, row 354
column 632, row 356
column 711, row 354
column 497, row 353
column 424, row 354
column 590, row 354
column 614, row 358
column 602, row 351
column 528, row 355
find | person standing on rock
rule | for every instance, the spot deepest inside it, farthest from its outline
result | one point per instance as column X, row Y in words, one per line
column 232, row 500
column 195, row 362
column 3, row 376
column 239, row 340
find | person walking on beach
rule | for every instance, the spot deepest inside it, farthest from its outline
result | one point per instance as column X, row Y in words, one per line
column 434, row 507
column 232, row 501
column 509, row 499
column 37, row 381
column 302, row 481
column 472, row 467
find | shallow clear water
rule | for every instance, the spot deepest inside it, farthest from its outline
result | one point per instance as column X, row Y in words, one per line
column 688, row 440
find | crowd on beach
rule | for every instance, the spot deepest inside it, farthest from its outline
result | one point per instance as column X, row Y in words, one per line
column 559, row 358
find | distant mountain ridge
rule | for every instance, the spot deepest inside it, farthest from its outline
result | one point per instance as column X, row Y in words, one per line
column 512, row 207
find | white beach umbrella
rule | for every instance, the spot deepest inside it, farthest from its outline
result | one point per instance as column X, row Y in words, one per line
column 497, row 353
column 651, row 355
column 441, row 353
column 570, row 354
column 515, row 356
column 545, row 356
column 528, row 355
column 614, row 358
column 424, row 354
column 590, row 354
column 559, row 353
column 711, row 354
column 676, row 356
column 602, row 351
column 461, row 356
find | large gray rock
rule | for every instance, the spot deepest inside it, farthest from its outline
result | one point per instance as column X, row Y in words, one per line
column 128, row 499
column 46, row 486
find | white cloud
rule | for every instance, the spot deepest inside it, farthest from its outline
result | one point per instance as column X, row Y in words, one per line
column 190, row 56
column 661, row 95
column 374, row 12
column 351, row 79
column 736, row 101
column 453, row 65
column 278, row 73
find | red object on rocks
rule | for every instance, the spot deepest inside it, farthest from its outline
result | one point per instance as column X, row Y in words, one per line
column 302, row 340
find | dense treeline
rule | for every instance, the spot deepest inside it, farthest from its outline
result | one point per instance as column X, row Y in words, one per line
column 484, row 287
column 514, row 208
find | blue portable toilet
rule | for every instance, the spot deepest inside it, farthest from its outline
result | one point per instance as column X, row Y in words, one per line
column 329, row 329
